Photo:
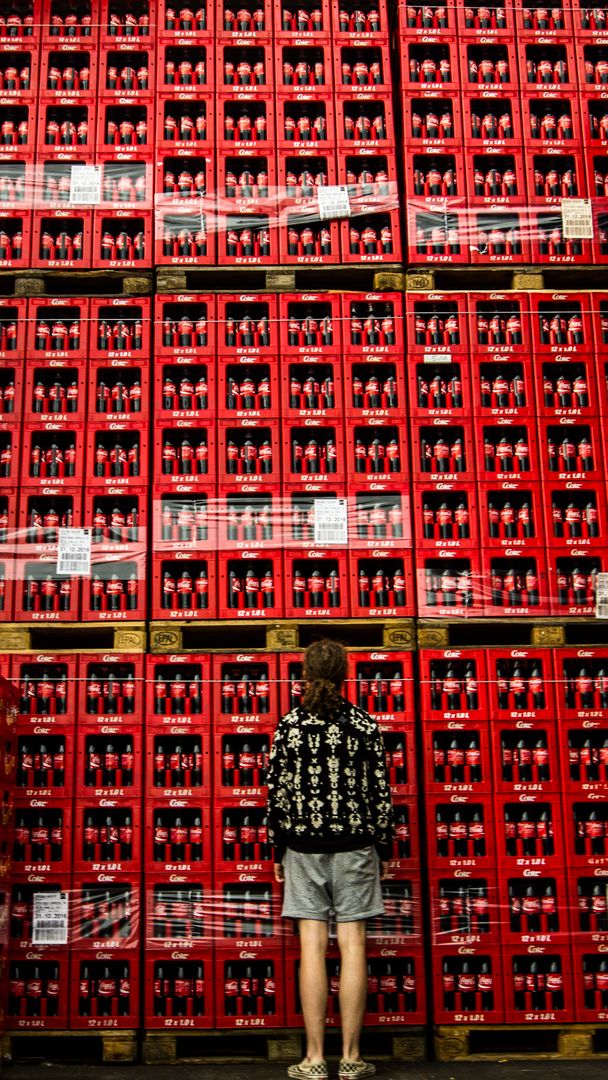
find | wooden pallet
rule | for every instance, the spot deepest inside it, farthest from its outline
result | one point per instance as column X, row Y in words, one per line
column 273, row 279
column 498, row 1042
column 504, row 278
column 41, row 282
column 202, row 1047
column 285, row 636
column 108, row 1047
column 72, row 636
column 477, row 633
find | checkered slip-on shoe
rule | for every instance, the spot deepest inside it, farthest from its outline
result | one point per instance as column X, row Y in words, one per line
column 304, row 1071
column 355, row 1070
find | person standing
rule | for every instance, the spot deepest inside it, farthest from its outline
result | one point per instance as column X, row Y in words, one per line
column 330, row 819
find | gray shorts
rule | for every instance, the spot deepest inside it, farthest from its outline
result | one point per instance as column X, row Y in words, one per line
column 343, row 883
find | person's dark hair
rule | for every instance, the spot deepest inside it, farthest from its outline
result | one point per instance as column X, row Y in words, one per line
column 324, row 673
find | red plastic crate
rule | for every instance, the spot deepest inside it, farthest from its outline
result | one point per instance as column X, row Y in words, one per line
column 582, row 744
column 381, row 584
column 464, row 911
column 185, row 393
column 247, row 239
column 437, row 238
column 125, row 129
column 370, row 174
column 188, row 326
column 248, row 456
column 369, row 22
column 525, row 757
column 68, row 317
column 320, row 576
column 489, row 66
column 105, row 916
column 529, row 833
column 109, row 763
column 250, row 584
column 401, row 924
column 590, row 59
column 291, row 684
column 432, row 123
column 117, row 247
column 55, row 397
column 435, row 179
column 372, row 325
column 427, row 23
column 499, row 236
column 590, row 975
column 240, row 757
column 184, row 585
column 382, row 683
column 515, row 582
column 178, row 692
column 373, row 236
column 184, row 123
column 521, row 684
column 311, row 389
column 548, row 244
column 178, row 761
column 178, row 912
column 104, row 991
column 42, row 839
column 118, row 522
column 313, row 461
column 242, row 68
column 503, row 387
column 565, row 386
column 116, row 590
column 235, row 977
column 454, row 686
column 511, row 516
column 495, row 176
column 310, row 325
column 241, row 125
column 127, row 72
column 461, row 832
column 379, row 513
column 442, row 451
column 449, row 583
column 38, row 986
column 22, row 26
column 362, row 120
column 574, row 517
column 547, row 68
column 240, row 837
column 361, row 65
column 552, row 125
column 300, row 26
column 374, row 390
column 551, row 178
column 45, row 466
column 584, row 818
column 45, row 762
column 121, row 329
column 571, row 449
column 17, row 225
column 593, row 110
column 13, row 324
column 430, row 67
column 184, row 522
column 492, row 122
column 60, row 73
column 579, row 687
column 485, row 25
column 534, row 909
column 440, row 389
column 247, row 910
column 106, row 467
column 510, row 450
column 11, row 388
column 588, row 907
column 303, row 239
column 17, row 88
column 177, row 837
column 178, row 994
column 377, row 451
column 181, row 178
column 195, row 25
column 118, row 391
column 47, row 682
column 457, row 761
column 248, row 391
column 572, row 581
column 529, row 978
column 94, row 855
column 21, row 910
column 53, row 236
column 8, row 455
column 437, row 323
column 58, row 29
column 395, row 987
column 445, row 518
column 247, row 325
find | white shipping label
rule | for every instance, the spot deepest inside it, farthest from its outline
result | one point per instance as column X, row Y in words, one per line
column 74, row 553
column 333, row 202
column 577, row 219
column 330, row 522
column 601, row 596
column 438, row 358
column 85, row 185
column 50, row 918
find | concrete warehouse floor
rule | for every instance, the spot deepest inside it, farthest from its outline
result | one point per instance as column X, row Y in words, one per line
column 462, row 1070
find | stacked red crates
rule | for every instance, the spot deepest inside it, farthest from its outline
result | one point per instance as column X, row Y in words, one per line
column 8, row 741
column 500, row 906
column 12, row 355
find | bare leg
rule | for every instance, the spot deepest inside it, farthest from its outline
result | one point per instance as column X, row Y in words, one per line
column 353, row 985
column 313, row 985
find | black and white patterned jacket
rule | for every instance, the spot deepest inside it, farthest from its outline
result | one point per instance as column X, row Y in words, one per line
column 328, row 785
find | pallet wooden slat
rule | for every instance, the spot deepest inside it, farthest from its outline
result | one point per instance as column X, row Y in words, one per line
column 273, row 279
column 529, row 1042
column 73, row 637
column 284, row 636
column 116, row 1046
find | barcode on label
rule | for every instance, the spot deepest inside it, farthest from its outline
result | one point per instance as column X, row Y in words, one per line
column 577, row 219
column 50, row 919
column 601, row 596
column 74, row 553
column 85, row 185
column 333, row 202
column 330, row 522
